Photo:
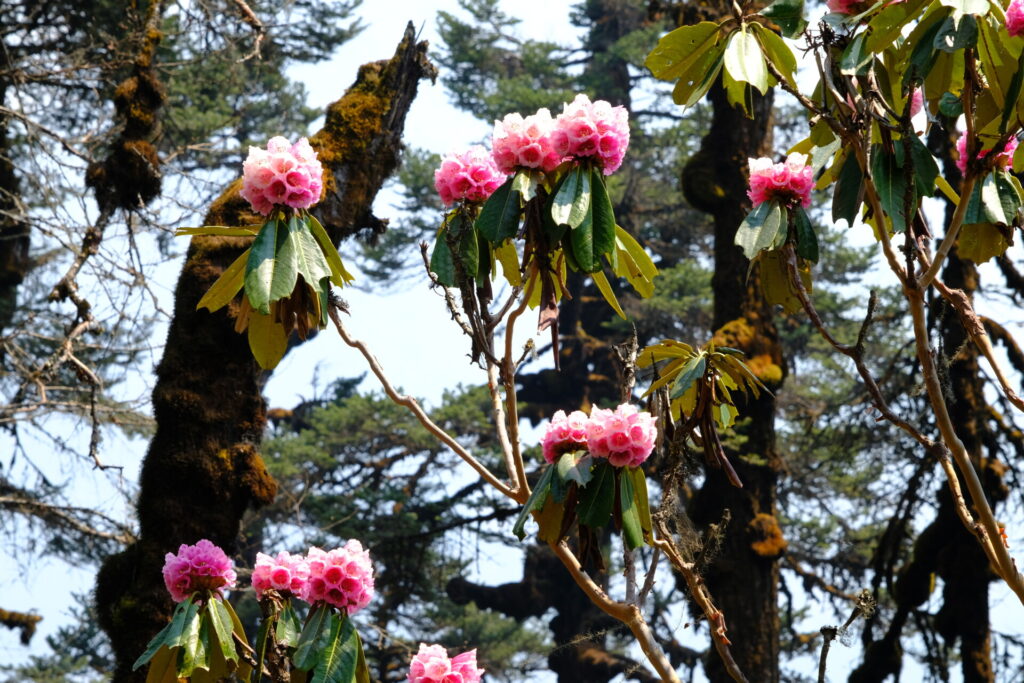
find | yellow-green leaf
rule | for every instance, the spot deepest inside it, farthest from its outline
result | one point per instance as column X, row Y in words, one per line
column 744, row 61
column 606, row 291
column 509, row 258
column 677, row 51
column 980, row 242
column 247, row 231
column 339, row 275
column 267, row 340
column 227, row 285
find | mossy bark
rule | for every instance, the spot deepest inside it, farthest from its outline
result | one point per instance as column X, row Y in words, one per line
column 14, row 230
column 203, row 467
column 744, row 576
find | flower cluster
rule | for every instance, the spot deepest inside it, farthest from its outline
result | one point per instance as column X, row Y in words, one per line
column 916, row 101
column 199, row 567
column 286, row 573
column 282, row 174
column 1003, row 159
column 525, row 142
column 790, row 182
column 342, row 577
column 432, row 665
column 565, row 434
column 472, row 176
column 584, row 130
column 1015, row 18
column 625, row 436
column 592, row 129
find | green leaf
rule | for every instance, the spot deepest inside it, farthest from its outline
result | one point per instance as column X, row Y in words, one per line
column 776, row 50
column 632, row 532
column 849, row 191
column 468, row 254
column 159, row 640
column 806, row 240
column 1012, row 94
column 288, row 625
column 262, row 636
column 220, row 620
column 922, row 54
column 789, row 15
column 926, row 170
column 575, row 466
column 499, row 217
column 285, row 271
column 691, row 372
column 534, row 502
column 956, row 33
column 856, row 57
column 991, row 201
column 980, row 241
column 598, row 498
column 680, row 50
column 308, row 256
column 259, row 269
column 950, row 105
column 891, row 185
column 886, row 26
column 339, row 275
column 584, row 252
column 339, row 653
column 693, row 84
column 195, row 641
column 571, row 204
column 604, row 214
column 744, row 61
column 227, row 285
column 441, row 263
column 525, row 183
column 643, row 506
column 307, row 650
column 362, row 671
column 759, row 229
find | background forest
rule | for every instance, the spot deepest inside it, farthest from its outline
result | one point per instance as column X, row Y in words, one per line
column 121, row 121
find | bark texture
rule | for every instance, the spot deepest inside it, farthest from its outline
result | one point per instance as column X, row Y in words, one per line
column 203, row 467
column 744, row 575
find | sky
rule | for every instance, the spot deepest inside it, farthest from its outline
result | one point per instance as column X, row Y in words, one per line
column 408, row 328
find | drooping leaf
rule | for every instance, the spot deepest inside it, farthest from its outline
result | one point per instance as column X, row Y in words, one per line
column 581, row 240
column 288, row 626
column 775, row 48
column 309, row 258
column 549, row 519
column 267, row 340
column 677, row 52
column 285, row 270
column 499, row 217
column 307, row 649
column 922, row 48
column 956, row 33
column 220, row 620
column 979, row 7
column 259, row 269
column 744, row 61
column 887, row 25
column 571, row 203
column 339, row 275
column 789, row 15
column 164, row 666
column 926, row 170
column 246, row 231
column 605, row 288
column 891, row 184
column 632, row 533
column 806, row 240
column 575, row 466
column 227, row 285
column 979, row 242
column 849, row 191
column 634, row 264
column 697, row 80
column 760, row 228
column 507, row 255
column 468, row 254
column 598, row 498
column 168, row 635
column 195, row 640
column 604, row 215
column 535, row 502
column 339, row 652
column 441, row 263
column 362, row 671
column 1012, row 94
column 856, row 58
column 643, row 506
column 775, row 281
column 688, row 376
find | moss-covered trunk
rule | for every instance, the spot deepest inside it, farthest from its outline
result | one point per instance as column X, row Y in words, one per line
column 744, row 576
column 14, row 231
column 203, row 467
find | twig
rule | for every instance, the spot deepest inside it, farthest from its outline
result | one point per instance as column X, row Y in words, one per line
column 249, row 17
column 864, row 607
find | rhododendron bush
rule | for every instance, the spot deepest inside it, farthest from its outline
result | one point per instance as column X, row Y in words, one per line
column 539, row 203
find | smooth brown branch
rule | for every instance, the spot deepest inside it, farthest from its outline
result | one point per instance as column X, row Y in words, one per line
column 508, row 378
column 501, row 424
column 628, row 614
column 412, row 405
column 1003, row 565
column 260, row 31
column 952, row 233
column 702, row 597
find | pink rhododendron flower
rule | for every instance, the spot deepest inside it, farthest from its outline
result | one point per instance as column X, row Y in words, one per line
column 432, row 665
column 592, row 129
column 472, row 176
column 916, row 101
column 285, row 573
column 565, row 434
column 282, row 174
column 625, row 436
column 199, row 567
column 1003, row 159
column 342, row 577
column 1015, row 18
column 790, row 182
column 525, row 142
column 843, row 6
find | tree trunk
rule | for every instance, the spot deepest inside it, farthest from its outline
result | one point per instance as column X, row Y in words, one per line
column 744, row 576
column 203, row 467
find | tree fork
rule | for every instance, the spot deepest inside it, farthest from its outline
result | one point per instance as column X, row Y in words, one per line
column 203, row 468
